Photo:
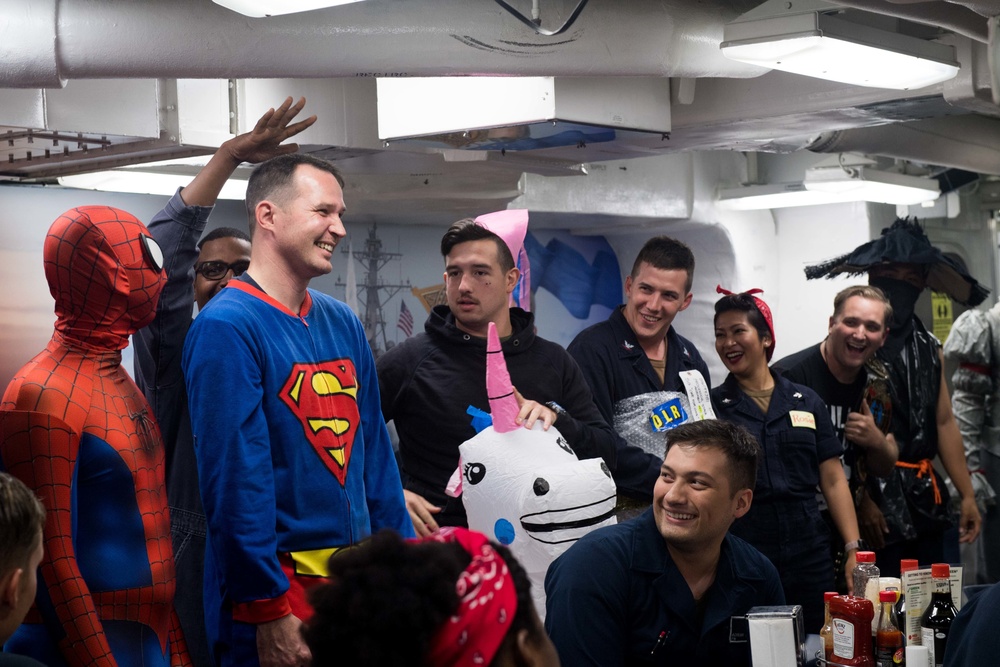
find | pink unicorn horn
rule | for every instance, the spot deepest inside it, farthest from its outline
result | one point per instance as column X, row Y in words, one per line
column 503, row 403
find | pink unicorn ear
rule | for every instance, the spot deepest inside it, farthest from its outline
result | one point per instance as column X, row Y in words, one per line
column 503, row 403
column 512, row 226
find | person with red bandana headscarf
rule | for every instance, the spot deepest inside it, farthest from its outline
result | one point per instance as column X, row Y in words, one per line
column 799, row 450
column 76, row 430
column 453, row 599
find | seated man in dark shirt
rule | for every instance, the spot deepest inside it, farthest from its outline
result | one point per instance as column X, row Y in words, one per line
column 671, row 586
column 973, row 639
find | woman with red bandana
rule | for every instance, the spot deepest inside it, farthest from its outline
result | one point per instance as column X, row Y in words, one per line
column 75, row 428
column 799, row 451
column 452, row 599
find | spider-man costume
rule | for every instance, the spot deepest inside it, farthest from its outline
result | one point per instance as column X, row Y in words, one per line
column 76, row 429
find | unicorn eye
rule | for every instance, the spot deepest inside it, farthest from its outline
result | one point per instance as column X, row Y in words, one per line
column 475, row 472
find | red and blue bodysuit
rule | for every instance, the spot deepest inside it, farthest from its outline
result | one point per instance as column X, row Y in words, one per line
column 76, row 429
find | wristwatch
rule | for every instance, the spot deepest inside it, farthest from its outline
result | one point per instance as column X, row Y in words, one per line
column 556, row 408
column 856, row 545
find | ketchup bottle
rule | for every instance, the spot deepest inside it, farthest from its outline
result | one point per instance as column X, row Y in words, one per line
column 852, row 630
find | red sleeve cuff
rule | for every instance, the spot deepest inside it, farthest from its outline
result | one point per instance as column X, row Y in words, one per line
column 262, row 611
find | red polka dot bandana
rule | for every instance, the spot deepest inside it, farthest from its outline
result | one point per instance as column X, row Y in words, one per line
column 761, row 306
column 487, row 603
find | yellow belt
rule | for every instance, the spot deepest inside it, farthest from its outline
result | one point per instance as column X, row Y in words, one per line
column 313, row 563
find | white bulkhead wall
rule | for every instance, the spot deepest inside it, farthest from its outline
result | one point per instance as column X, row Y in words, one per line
column 630, row 201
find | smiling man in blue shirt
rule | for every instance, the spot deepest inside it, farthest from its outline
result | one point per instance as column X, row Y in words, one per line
column 671, row 586
column 636, row 356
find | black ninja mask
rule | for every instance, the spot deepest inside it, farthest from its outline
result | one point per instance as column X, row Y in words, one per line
column 903, row 296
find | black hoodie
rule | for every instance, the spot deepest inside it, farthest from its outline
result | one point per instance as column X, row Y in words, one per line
column 428, row 382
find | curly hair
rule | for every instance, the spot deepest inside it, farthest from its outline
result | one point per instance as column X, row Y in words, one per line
column 388, row 597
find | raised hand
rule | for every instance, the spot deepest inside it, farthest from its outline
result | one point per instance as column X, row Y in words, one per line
column 264, row 141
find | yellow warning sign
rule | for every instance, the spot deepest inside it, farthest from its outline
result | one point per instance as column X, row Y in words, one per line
column 943, row 315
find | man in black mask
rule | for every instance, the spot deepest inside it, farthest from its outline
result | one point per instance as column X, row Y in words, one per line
column 910, row 509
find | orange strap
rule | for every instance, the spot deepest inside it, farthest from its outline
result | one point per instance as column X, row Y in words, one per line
column 924, row 467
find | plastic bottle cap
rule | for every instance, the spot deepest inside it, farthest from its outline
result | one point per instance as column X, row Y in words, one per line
column 887, row 596
column 908, row 564
column 865, row 557
column 940, row 571
column 828, row 595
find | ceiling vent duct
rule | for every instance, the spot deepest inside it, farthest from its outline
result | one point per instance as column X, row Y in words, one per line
column 520, row 113
column 54, row 132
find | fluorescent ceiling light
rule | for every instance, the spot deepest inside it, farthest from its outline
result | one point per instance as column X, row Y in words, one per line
column 804, row 37
column 512, row 113
column 867, row 184
column 258, row 8
column 139, row 182
column 775, row 195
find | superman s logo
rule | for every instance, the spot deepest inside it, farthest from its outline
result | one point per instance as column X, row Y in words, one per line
column 324, row 397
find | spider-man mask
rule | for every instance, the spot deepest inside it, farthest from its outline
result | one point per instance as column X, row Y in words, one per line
column 105, row 272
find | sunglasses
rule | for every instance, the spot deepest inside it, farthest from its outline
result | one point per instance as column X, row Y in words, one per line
column 218, row 270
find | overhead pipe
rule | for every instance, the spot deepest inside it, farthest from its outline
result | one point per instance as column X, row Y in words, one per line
column 43, row 43
column 965, row 142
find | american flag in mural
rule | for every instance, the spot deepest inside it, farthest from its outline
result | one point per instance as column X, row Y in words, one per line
column 405, row 323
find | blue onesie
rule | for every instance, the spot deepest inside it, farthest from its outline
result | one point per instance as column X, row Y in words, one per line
column 294, row 460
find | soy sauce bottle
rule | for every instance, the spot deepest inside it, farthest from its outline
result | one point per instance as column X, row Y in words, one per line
column 899, row 612
column 935, row 624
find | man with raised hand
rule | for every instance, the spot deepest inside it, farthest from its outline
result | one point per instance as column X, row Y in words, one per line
column 294, row 460
column 196, row 271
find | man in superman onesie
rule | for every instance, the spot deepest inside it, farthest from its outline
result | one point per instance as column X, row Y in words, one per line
column 77, row 431
column 196, row 272
column 294, row 461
